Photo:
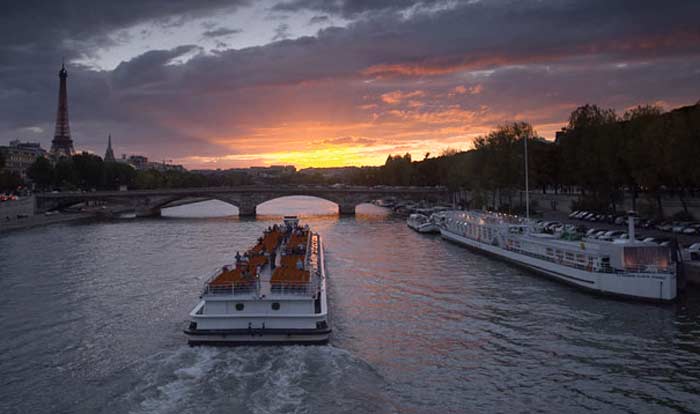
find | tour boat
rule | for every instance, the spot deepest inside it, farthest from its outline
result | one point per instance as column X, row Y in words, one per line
column 275, row 293
column 628, row 268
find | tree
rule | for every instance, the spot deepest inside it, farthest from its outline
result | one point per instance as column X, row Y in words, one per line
column 10, row 181
column 591, row 116
column 502, row 162
column 65, row 174
column 115, row 174
column 398, row 170
column 2, row 160
column 41, row 172
column 88, row 170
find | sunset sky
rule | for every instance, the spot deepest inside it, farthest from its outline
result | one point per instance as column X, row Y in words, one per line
column 220, row 84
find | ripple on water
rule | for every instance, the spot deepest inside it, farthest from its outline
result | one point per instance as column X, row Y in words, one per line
column 291, row 379
column 91, row 318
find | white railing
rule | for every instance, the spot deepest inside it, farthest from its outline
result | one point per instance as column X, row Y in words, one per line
column 232, row 288
column 292, row 288
column 649, row 269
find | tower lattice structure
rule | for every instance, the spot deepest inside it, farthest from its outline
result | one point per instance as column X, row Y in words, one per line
column 62, row 144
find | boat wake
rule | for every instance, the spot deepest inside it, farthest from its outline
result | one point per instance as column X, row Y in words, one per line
column 294, row 379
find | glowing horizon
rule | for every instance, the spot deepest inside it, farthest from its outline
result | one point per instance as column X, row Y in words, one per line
column 222, row 84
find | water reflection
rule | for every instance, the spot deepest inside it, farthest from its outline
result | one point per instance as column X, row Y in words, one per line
column 93, row 313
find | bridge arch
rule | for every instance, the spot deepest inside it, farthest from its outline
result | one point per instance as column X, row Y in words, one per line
column 345, row 204
column 199, row 208
column 295, row 204
column 184, row 200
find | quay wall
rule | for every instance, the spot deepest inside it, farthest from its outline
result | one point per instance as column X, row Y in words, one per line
column 9, row 210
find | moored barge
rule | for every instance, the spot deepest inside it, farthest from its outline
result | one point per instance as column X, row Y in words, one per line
column 626, row 268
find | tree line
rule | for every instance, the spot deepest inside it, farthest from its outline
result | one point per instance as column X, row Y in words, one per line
column 599, row 155
column 87, row 171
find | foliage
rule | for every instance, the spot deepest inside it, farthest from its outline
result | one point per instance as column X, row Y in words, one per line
column 599, row 154
column 10, row 181
column 645, row 152
column 42, row 173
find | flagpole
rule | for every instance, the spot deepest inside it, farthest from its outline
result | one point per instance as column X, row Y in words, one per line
column 527, row 185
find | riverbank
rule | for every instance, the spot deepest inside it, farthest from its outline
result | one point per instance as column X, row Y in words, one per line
column 41, row 220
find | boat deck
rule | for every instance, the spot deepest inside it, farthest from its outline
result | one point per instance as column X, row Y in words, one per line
column 279, row 262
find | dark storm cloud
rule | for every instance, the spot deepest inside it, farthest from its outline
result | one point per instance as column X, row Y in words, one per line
column 222, row 31
column 319, row 19
column 546, row 54
column 351, row 8
column 35, row 35
column 281, row 32
column 475, row 36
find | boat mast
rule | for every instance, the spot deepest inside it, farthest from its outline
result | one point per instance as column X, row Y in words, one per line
column 527, row 185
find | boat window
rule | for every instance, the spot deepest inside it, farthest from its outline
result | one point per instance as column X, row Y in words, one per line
column 646, row 256
column 550, row 251
column 239, row 306
column 275, row 306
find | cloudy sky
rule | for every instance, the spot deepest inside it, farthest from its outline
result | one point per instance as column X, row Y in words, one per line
column 219, row 84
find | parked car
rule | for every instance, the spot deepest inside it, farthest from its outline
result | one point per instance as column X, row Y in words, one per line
column 692, row 228
column 574, row 213
column 649, row 223
column 665, row 226
column 611, row 235
column 679, row 226
column 694, row 250
column 591, row 231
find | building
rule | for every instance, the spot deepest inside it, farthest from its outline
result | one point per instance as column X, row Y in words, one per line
column 141, row 162
column 62, row 144
column 272, row 171
column 19, row 156
column 137, row 161
column 109, row 154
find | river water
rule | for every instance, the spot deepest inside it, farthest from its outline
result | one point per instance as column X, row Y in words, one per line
column 91, row 319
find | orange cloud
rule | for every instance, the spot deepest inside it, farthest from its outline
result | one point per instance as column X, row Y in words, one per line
column 396, row 97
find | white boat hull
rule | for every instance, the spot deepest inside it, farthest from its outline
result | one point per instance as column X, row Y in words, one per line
column 656, row 287
column 425, row 228
column 261, row 337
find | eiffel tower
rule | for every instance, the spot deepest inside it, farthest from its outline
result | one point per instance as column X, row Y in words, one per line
column 62, row 144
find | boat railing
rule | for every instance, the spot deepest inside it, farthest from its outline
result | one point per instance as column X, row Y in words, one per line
column 564, row 261
column 231, row 288
column 216, row 272
column 648, row 269
column 293, row 288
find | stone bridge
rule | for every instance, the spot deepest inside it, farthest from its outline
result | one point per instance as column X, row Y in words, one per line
column 246, row 198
